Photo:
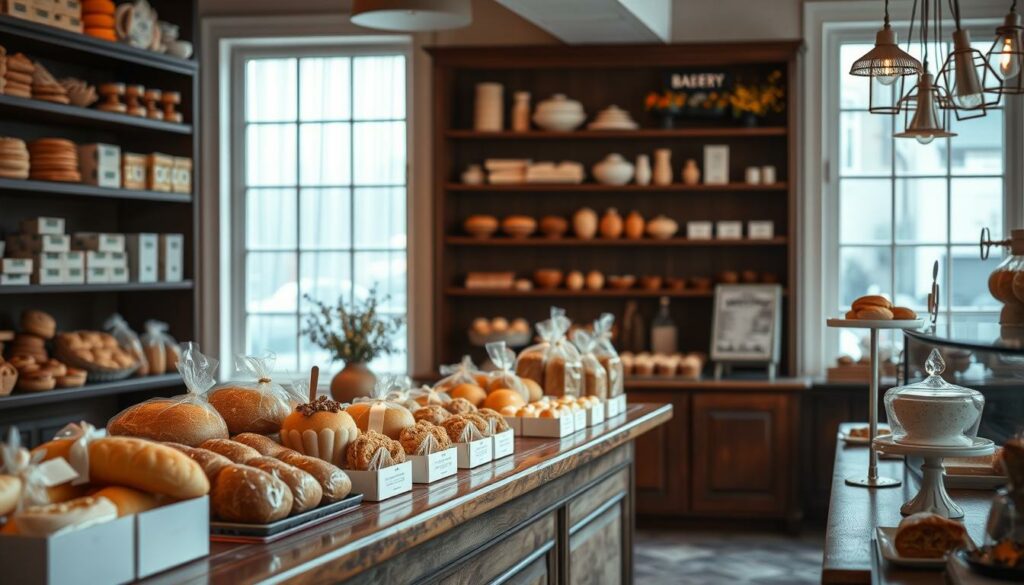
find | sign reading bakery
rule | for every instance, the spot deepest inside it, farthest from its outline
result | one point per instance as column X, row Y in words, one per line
column 698, row 80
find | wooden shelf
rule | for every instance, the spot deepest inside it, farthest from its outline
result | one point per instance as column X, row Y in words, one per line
column 542, row 242
column 96, row 288
column 31, row 37
column 43, row 111
column 61, row 189
column 22, row 400
column 584, row 294
column 600, row 188
column 639, row 134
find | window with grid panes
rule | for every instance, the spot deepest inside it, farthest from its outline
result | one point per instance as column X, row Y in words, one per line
column 324, row 193
column 903, row 205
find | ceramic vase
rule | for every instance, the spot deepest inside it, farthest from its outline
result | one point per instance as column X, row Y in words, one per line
column 353, row 381
column 663, row 166
column 611, row 224
column 643, row 170
column 584, row 223
column 521, row 112
column 691, row 173
column 487, row 112
column 634, row 225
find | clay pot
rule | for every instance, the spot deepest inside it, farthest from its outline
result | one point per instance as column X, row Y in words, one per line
column 548, row 278
column 553, row 226
column 650, row 282
column 611, row 224
column 595, row 280
column 519, row 226
column 353, row 381
column 662, row 228
column 481, row 226
column 728, row 277
column 634, row 226
column 584, row 223
column 574, row 280
column 623, row 282
column 691, row 174
column 663, row 166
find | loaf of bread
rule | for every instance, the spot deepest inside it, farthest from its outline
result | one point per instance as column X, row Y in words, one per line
column 248, row 495
column 249, row 410
column 212, row 463
column 387, row 418
column 928, row 536
column 10, row 491
column 175, row 421
column 128, row 501
column 233, row 450
column 147, row 466
column 81, row 512
column 334, row 482
column 531, row 367
column 263, row 444
column 306, row 490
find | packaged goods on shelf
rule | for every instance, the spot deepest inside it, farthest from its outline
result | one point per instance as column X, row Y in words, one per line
column 98, row 242
column 74, row 275
column 16, row 266
column 97, row 275
column 47, row 276
column 15, row 279
column 19, row 243
column 181, row 175
column 158, row 172
column 133, row 171
column 171, row 257
column 42, row 225
column 143, row 256
column 100, row 164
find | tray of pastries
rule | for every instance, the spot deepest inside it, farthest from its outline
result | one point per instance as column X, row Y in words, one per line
column 97, row 353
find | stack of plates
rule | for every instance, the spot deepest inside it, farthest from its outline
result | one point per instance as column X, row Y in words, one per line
column 613, row 118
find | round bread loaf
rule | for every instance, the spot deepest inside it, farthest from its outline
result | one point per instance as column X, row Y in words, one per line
column 536, row 392
column 461, row 406
column 145, row 465
column 471, row 392
column 392, row 419
column 168, row 421
column 501, row 398
column 249, row 495
column 248, row 410
column 306, row 491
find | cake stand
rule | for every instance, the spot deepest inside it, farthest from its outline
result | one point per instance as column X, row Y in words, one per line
column 932, row 497
column 872, row 480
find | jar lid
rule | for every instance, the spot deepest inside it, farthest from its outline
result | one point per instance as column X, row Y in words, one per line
column 934, row 387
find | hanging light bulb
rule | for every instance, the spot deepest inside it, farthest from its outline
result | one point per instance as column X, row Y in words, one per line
column 967, row 76
column 1006, row 53
column 966, row 90
column 923, row 100
column 886, row 61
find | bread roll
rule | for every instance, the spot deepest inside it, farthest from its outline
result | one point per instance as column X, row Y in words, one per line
column 127, row 500
column 249, row 410
column 334, row 482
column 306, row 491
column 501, row 398
column 536, row 392
column 168, row 421
column 471, row 392
column 928, row 536
column 10, row 490
column 212, row 463
column 82, row 512
column 145, row 465
column 265, row 445
column 233, row 450
column 394, row 418
column 248, row 495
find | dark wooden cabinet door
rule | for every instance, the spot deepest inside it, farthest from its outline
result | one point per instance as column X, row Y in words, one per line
column 662, row 461
column 742, row 453
column 599, row 523
column 524, row 556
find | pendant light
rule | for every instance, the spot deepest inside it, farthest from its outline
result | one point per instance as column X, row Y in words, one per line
column 923, row 103
column 411, row 15
column 1006, row 54
column 967, row 76
column 886, row 62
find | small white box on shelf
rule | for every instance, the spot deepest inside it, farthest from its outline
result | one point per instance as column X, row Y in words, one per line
column 143, row 256
column 170, row 535
column 73, row 274
column 48, row 260
column 172, row 257
column 616, row 406
column 382, row 484
column 16, row 265
column 94, row 259
column 96, row 275
column 42, row 225
column 39, row 243
column 74, row 259
column 760, row 230
column 579, row 419
column 716, row 164
column 48, row 276
column 555, row 428
column 504, row 444
column 729, row 230
column 118, row 260
column 15, row 279
column 430, row 468
column 698, row 230
column 181, row 175
column 595, row 414
column 100, row 165
column 3, row 248
column 16, row 8
column 98, row 242
column 102, row 553
column 475, row 453
column 117, row 274
column 515, row 423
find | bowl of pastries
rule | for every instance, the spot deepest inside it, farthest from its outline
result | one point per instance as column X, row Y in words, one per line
column 97, row 353
column 515, row 333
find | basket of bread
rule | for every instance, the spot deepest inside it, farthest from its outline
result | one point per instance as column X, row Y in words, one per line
column 97, row 353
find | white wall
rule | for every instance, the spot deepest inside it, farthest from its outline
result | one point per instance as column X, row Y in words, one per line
column 702, row 21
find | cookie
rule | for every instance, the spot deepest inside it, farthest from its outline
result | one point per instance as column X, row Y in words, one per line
column 15, row 77
column 13, row 174
column 458, row 430
column 362, row 451
column 52, row 142
column 65, row 177
column 434, row 414
column 495, row 419
column 14, row 165
column 413, row 438
column 7, row 143
column 19, row 63
column 18, row 91
column 480, row 423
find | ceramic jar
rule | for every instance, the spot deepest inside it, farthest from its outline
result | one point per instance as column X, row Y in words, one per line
column 473, row 175
column 662, row 227
column 663, row 166
column 642, row 174
column 691, row 173
column 521, row 111
column 768, row 175
column 753, row 175
column 488, row 113
column 574, row 280
column 634, row 226
column 560, row 114
column 595, row 280
column 613, row 170
column 584, row 223
column 611, row 224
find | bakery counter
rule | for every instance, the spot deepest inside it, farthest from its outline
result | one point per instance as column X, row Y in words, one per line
column 850, row 553
column 558, row 510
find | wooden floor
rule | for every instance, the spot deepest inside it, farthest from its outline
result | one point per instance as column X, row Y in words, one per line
column 687, row 557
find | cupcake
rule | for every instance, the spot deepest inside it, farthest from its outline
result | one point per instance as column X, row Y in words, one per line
column 319, row 429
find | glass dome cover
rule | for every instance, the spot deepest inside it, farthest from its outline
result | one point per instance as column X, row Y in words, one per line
column 934, row 412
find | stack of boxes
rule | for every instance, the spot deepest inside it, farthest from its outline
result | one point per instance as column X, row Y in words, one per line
column 63, row 14
column 42, row 253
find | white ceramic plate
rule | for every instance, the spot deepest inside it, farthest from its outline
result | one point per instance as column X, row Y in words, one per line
column 872, row 324
column 885, row 537
column 979, row 446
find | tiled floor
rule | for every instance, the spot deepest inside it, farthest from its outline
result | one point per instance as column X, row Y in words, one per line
column 686, row 557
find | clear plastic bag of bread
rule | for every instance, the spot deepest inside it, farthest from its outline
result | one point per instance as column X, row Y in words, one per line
column 158, row 330
column 504, row 376
column 23, row 482
column 607, row 354
column 129, row 341
column 385, row 411
column 154, row 346
column 188, row 419
column 464, row 372
column 595, row 377
column 554, row 363
column 255, row 403
column 426, row 395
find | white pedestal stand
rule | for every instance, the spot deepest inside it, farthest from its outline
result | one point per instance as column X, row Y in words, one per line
column 873, row 480
column 932, row 497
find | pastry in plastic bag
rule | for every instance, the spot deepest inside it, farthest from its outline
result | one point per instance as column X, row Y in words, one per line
column 608, row 356
column 464, row 372
column 424, row 439
column 497, row 423
column 383, row 412
column 373, row 451
column 461, row 429
column 595, row 377
column 256, row 405
column 428, row 396
column 129, row 341
column 554, row 363
column 434, row 414
column 504, row 376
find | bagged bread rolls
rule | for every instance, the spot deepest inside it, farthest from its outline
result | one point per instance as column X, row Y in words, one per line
column 504, row 376
column 154, row 346
column 306, row 491
column 319, row 428
column 258, row 405
column 464, row 372
column 249, row 495
column 188, row 419
column 129, row 341
column 554, row 363
column 595, row 377
column 607, row 355
column 335, row 483
column 383, row 412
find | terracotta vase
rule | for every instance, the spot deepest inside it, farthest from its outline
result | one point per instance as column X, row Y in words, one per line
column 643, row 170
column 353, row 381
column 611, row 224
column 691, row 173
column 634, row 227
column 663, row 166
column 584, row 223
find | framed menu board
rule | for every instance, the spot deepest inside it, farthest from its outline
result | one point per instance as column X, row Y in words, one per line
column 747, row 326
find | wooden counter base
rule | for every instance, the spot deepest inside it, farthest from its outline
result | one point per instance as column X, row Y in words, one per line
column 557, row 510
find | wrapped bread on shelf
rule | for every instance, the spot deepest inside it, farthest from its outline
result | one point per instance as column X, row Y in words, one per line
column 188, row 419
column 154, row 346
column 425, row 438
column 373, row 451
column 595, row 377
column 606, row 353
column 128, row 340
column 504, row 376
column 425, row 396
column 464, row 372
column 554, row 363
column 334, row 482
column 255, row 405
column 384, row 412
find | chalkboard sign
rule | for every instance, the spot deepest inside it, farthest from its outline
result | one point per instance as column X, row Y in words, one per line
column 747, row 325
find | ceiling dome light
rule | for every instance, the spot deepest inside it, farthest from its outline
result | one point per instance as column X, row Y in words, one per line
column 411, row 15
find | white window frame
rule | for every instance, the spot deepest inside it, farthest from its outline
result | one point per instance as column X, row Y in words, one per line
column 826, row 26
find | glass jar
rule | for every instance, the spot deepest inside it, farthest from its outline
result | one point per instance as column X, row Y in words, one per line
column 934, row 412
column 1006, row 283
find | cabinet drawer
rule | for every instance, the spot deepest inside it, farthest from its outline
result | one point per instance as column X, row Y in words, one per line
column 513, row 559
column 597, row 548
column 586, row 503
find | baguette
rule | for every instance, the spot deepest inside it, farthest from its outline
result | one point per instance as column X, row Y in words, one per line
column 212, row 463
column 334, row 482
column 127, row 500
column 147, row 466
column 233, row 450
column 248, row 495
column 306, row 490
column 265, row 445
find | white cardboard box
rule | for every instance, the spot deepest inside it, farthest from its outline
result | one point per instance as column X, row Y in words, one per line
column 49, row 260
column 170, row 535
column 172, row 257
column 98, row 242
column 595, row 414
column 103, row 554
column 73, row 275
column 515, row 423
column 42, row 225
column 430, row 468
column 15, row 279
column 504, row 444
column 475, row 453
column 73, row 259
column 616, row 406
column 48, row 276
column 95, row 259
column 35, row 243
column 383, row 484
column 118, row 274
column 143, row 256
column 730, row 230
column 16, row 265
column 562, row 426
column 760, row 229
column 95, row 275
column 100, row 164
column 716, row 164
column 579, row 419
column 698, row 230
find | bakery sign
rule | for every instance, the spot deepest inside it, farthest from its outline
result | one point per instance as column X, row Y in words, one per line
column 698, row 80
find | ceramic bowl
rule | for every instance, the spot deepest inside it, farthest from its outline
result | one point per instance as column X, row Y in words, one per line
column 621, row 282
column 558, row 103
column 519, row 226
column 548, row 278
column 673, row 283
column 613, row 170
column 651, row 282
column 481, row 226
column 927, row 421
column 553, row 226
column 559, row 121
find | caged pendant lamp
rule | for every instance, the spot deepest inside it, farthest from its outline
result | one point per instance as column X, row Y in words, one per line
column 412, row 15
column 1007, row 55
column 967, row 76
column 927, row 121
column 884, row 65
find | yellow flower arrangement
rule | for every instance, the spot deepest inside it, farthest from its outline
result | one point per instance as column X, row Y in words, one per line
column 759, row 99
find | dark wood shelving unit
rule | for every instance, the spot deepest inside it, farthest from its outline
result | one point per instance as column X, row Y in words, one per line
column 599, row 76
column 88, row 208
